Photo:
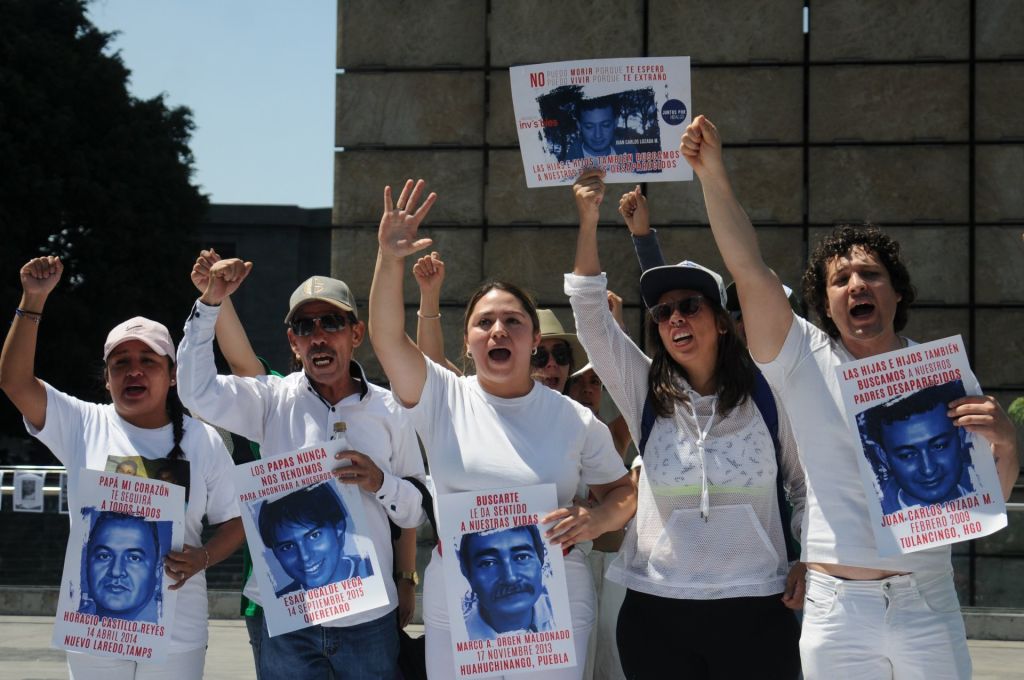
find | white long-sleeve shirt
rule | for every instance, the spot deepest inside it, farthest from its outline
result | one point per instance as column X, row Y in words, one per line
column 671, row 550
column 285, row 414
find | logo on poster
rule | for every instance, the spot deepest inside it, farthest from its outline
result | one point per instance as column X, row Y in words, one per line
column 673, row 112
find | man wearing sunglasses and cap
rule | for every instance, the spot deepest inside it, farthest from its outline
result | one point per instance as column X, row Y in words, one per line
column 330, row 394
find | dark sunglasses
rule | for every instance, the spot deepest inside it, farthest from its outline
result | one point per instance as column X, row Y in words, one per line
column 330, row 323
column 561, row 353
column 686, row 306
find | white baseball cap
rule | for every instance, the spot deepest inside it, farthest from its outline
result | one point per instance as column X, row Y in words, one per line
column 152, row 333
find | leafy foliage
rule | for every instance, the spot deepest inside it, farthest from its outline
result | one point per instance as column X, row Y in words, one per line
column 96, row 176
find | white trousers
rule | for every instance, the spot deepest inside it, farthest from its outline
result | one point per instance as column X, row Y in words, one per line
column 901, row 628
column 182, row 666
column 441, row 658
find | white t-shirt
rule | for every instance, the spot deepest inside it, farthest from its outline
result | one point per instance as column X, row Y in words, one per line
column 477, row 441
column 82, row 435
column 837, row 526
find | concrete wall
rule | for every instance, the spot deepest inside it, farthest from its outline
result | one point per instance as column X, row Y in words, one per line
column 894, row 113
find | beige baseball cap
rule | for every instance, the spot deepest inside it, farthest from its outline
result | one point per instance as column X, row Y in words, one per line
column 324, row 289
column 153, row 333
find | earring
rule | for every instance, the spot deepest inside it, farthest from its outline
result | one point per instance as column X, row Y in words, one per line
column 534, row 352
column 469, row 354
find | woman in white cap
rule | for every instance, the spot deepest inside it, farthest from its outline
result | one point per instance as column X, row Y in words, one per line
column 496, row 429
column 708, row 548
column 145, row 419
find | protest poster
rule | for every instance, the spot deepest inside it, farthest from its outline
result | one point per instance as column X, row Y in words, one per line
column 114, row 597
column 625, row 116
column 28, row 492
column 928, row 482
column 507, row 598
column 311, row 555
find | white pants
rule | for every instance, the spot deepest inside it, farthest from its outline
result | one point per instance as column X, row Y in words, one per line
column 603, row 652
column 441, row 658
column 901, row 628
column 182, row 666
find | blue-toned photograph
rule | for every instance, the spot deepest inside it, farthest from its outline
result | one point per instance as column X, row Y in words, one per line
column 306, row 533
column 122, row 566
column 597, row 127
column 505, row 570
column 919, row 456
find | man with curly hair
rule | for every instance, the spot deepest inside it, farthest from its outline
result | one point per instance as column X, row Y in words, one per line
column 865, row 615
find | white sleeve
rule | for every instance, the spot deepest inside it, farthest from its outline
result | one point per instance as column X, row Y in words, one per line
column 236, row 404
column 802, row 336
column 601, row 463
column 221, row 499
column 792, row 471
column 621, row 365
column 64, row 428
column 401, row 500
column 433, row 407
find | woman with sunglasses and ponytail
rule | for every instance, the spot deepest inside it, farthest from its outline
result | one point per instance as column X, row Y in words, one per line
column 145, row 419
column 496, row 429
column 708, row 549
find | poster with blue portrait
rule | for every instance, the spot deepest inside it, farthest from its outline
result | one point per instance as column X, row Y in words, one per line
column 313, row 562
column 929, row 479
column 114, row 595
column 507, row 598
column 625, row 116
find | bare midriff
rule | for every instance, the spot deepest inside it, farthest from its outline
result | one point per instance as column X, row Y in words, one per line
column 852, row 573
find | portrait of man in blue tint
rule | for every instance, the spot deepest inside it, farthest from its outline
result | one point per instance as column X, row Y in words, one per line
column 922, row 457
column 505, row 572
column 596, row 121
column 305, row 530
column 122, row 564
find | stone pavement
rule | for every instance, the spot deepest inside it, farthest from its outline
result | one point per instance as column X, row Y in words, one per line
column 25, row 652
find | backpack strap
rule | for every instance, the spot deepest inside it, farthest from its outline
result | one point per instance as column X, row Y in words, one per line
column 765, row 402
column 646, row 422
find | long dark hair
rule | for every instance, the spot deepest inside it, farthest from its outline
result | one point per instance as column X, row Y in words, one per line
column 734, row 369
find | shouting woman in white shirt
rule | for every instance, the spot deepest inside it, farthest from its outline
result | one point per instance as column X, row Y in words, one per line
column 496, row 429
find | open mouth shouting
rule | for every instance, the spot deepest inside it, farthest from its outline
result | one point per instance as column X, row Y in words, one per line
column 499, row 355
column 862, row 310
column 681, row 338
column 322, row 358
column 134, row 391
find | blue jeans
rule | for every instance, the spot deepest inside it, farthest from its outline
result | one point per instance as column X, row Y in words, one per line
column 254, row 626
column 367, row 651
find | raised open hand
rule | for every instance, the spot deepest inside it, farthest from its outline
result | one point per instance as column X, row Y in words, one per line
column 201, row 269
column 429, row 273
column 701, row 146
column 633, row 208
column 589, row 193
column 401, row 220
column 224, row 279
column 40, row 275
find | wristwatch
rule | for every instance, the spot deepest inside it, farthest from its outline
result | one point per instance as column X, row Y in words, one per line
column 410, row 576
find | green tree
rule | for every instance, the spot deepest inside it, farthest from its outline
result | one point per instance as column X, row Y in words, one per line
column 96, row 176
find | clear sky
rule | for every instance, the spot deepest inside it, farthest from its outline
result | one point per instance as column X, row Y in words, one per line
column 259, row 78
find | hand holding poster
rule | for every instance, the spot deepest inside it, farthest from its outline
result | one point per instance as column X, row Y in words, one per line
column 623, row 115
column 311, row 557
column 114, row 599
column 928, row 482
column 507, row 596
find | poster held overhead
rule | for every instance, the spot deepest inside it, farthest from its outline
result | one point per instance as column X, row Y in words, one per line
column 625, row 116
column 928, row 482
